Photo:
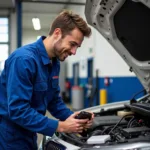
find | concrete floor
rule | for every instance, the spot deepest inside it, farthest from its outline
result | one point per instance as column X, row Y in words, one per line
column 40, row 136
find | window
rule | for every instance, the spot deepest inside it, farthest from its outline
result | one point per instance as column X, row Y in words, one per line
column 4, row 41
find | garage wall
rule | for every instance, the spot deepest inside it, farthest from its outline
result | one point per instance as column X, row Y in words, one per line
column 30, row 35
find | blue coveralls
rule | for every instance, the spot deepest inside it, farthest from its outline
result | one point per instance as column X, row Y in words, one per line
column 29, row 87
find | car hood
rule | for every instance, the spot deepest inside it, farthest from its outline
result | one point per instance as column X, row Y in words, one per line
column 125, row 24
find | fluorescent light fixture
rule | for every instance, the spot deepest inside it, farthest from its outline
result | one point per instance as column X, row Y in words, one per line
column 36, row 23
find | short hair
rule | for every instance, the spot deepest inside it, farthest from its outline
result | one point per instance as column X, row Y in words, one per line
column 67, row 21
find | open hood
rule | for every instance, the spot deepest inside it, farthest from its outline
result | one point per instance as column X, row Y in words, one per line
column 126, row 26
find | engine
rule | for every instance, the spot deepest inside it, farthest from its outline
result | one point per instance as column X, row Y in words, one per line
column 114, row 126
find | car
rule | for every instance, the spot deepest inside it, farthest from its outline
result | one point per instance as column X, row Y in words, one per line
column 125, row 24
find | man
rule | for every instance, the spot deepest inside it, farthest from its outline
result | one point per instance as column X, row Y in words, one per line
column 29, row 86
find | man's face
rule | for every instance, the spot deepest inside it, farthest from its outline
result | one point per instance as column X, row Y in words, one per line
column 68, row 45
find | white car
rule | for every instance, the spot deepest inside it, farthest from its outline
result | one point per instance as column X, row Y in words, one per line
column 122, row 125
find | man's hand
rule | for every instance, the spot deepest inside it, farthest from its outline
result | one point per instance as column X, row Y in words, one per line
column 72, row 125
column 89, row 123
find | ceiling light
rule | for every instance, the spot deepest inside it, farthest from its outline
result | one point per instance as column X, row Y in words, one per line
column 36, row 23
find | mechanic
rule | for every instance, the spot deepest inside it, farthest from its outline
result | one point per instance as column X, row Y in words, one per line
column 29, row 86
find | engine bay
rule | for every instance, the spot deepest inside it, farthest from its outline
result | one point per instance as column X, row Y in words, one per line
column 126, row 124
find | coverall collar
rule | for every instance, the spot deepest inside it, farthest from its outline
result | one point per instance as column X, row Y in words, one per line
column 44, row 56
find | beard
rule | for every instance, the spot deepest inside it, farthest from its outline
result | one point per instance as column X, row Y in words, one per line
column 58, row 50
